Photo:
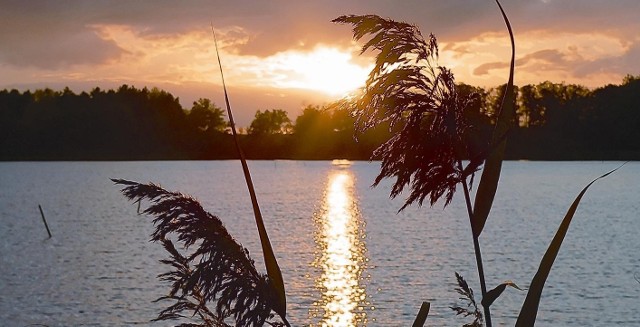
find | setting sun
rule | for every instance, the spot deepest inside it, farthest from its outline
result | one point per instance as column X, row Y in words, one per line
column 325, row 69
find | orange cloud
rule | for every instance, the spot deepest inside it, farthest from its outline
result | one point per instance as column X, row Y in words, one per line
column 540, row 55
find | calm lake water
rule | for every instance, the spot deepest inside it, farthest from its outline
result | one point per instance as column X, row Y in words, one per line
column 347, row 257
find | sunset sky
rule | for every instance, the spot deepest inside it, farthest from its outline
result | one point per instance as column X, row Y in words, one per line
column 287, row 54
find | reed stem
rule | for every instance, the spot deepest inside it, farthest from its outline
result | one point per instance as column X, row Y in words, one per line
column 273, row 269
column 476, row 248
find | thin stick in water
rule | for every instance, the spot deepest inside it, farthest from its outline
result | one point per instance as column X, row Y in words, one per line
column 45, row 221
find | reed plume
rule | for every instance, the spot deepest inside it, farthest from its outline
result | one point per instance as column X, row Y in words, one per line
column 469, row 306
column 213, row 279
column 418, row 99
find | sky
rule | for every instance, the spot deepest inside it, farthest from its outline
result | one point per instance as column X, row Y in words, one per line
column 287, row 54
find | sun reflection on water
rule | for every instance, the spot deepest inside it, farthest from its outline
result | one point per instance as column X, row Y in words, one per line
column 341, row 257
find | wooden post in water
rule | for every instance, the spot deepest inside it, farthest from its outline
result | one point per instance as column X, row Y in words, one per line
column 45, row 221
column 138, row 206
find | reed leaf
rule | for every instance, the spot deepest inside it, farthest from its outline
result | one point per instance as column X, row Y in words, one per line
column 488, row 185
column 273, row 269
column 493, row 294
column 421, row 318
column 529, row 311
column 217, row 271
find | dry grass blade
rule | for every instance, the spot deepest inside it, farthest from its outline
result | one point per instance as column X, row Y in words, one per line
column 273, row 269
column 211, row 268
column 529, row 309
column 493, row 164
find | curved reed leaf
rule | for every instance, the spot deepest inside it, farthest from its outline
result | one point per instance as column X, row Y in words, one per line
column 217, row 271
column 421, row 318
column 273, row 269
column 493, row 294
column 493, row 164
column 529, row 311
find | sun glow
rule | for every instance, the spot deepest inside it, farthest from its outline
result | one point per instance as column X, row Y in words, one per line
column 325, row 69
column 190, row 58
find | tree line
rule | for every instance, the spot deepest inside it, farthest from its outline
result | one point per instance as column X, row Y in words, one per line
column 555, row 121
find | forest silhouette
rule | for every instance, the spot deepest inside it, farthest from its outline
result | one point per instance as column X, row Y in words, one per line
column 555, row 121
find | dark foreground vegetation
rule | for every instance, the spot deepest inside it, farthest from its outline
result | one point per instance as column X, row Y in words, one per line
column 430, row 126
column 554, row 122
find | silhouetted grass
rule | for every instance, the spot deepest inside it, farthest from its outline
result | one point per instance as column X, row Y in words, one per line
column 213, row 279
column 469, row 307
column 418, row 100
column 276, row 283
column 410, row 92
column 529, row 309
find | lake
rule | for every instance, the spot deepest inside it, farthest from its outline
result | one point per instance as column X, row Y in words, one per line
column 348, row 258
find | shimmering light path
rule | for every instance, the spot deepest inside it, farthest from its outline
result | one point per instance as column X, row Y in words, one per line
column 341, row 256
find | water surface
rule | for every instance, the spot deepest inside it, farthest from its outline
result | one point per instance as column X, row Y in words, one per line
column 347, row 256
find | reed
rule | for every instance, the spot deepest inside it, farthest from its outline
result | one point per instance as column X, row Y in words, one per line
column 276, row 282
column 417, row 99
column 410, row 92
column 219, row 271
column 213, row 279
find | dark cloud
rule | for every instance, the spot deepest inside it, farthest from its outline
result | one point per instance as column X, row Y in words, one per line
column 272, row 26
column 458, row 50
column 52, row 34
column 32, row 36
column 542, row 58
column 59, row 51
column 576, row 67
column 484, row 69
column 626, row 63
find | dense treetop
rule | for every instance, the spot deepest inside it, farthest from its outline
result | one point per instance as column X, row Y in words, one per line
column 554, row 122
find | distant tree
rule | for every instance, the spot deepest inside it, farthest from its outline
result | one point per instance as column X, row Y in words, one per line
column 206, row 116
column 629, row 79
column 328, row 132
column 313, row 132
column 313, row 120
column 341, row 119
column 556, row 121
column 616, row 117
column 556, row 106
column 270, row 122
column 530, row 111
column 494, row 97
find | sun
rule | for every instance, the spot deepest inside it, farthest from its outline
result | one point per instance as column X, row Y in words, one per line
column 325, row 69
